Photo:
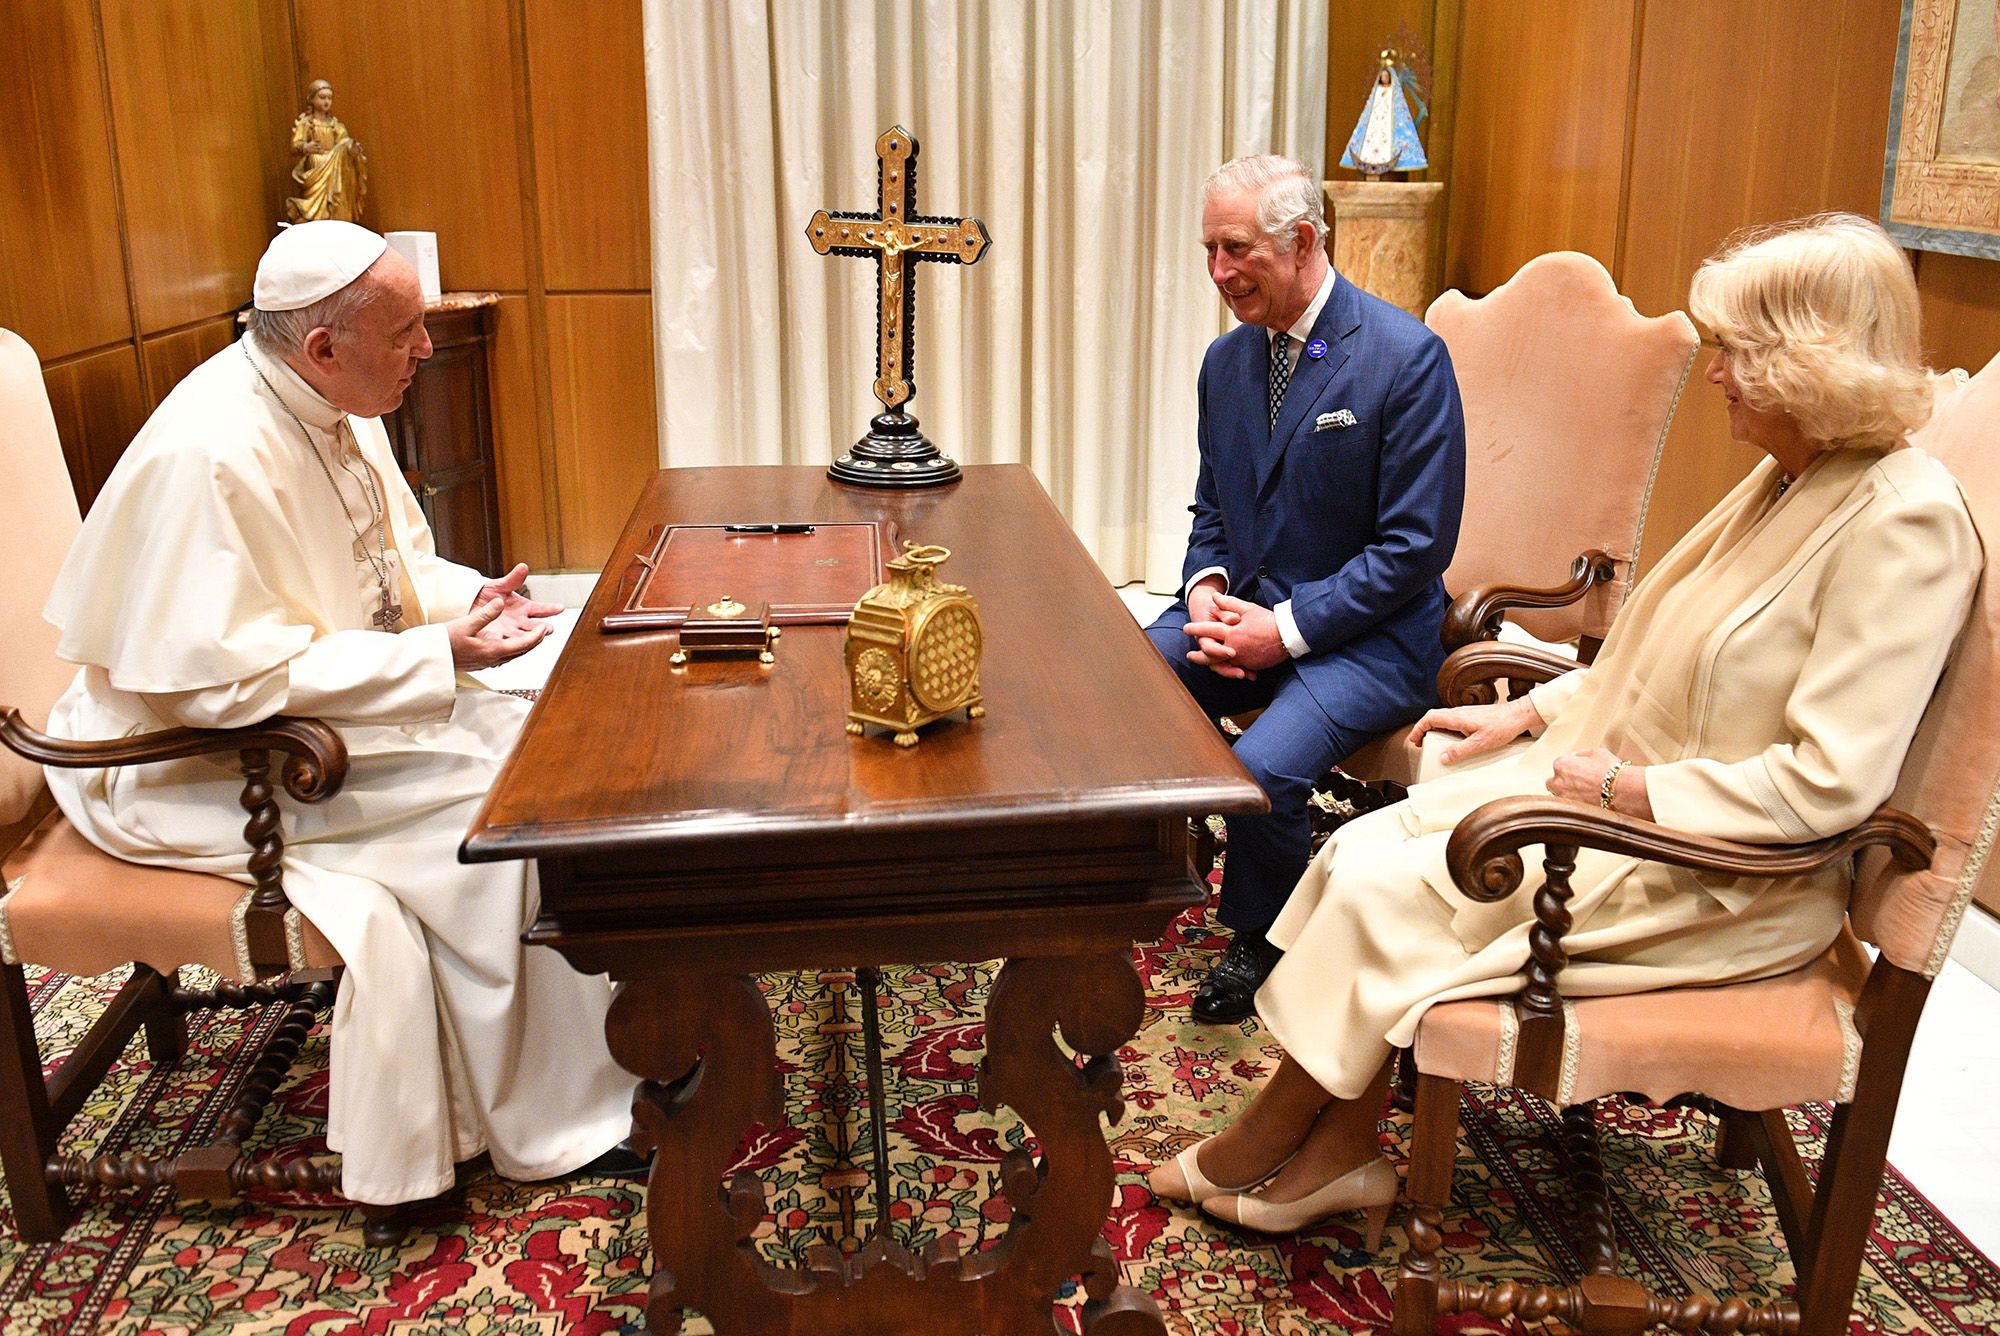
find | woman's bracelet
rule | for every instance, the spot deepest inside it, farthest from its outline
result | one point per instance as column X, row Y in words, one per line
column 1604, row 790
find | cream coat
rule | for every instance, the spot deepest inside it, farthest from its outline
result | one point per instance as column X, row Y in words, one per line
column 1822, row 618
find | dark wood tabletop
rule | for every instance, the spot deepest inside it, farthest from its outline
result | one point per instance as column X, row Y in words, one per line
column 726, row 769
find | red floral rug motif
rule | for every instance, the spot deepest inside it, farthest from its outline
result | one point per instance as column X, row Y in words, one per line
column 500, row 1257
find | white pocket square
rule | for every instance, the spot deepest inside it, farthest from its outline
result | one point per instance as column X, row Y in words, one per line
column 1339, row 417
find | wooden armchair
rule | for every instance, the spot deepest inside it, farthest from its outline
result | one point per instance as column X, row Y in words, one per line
column 1837, row 1030
column 69, row 907
column 1568, row 395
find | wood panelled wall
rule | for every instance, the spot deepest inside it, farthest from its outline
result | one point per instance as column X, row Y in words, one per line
column 516, row 130
column 1642, row 132
column 132, row 200
column 144, row 166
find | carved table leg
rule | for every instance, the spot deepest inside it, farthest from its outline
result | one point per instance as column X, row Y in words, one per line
column 659, row 1029
column 1098, row 1002
column 712, row 1038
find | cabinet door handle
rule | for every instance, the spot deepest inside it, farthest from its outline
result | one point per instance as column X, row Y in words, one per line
column 426, row 492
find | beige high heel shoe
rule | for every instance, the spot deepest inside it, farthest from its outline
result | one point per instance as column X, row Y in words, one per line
column 1371, row 1189
column 1180, row 1179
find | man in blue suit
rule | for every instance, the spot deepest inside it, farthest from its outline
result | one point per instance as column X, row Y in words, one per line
column 1325, row 513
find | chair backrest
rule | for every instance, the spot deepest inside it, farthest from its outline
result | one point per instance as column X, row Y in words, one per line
column 1563, row 380
column 38, row 522
column 1951, row 778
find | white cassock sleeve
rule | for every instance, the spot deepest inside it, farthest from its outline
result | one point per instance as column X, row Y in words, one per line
column 211, row 579
column 348, row 677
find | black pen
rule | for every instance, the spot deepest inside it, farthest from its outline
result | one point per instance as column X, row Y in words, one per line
column 767, row 528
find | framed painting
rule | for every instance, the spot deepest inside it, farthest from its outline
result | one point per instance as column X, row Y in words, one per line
column 1941, row 179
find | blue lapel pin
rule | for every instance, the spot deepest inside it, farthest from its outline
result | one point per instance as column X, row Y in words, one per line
column 1316, row 349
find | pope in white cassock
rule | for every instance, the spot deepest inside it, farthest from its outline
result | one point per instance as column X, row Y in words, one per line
column 257, row 551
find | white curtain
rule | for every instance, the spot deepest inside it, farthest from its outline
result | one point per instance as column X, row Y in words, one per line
column 1079, row 131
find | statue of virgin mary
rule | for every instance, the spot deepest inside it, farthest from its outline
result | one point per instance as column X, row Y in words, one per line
column 1385, row 138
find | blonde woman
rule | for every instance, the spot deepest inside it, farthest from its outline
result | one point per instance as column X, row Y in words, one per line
column 1761, row 685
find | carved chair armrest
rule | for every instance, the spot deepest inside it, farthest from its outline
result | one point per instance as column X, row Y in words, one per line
column 1476, row 614
column 315, row 767
column 1471, row 673
column 1484, row 851
column 1484, row 858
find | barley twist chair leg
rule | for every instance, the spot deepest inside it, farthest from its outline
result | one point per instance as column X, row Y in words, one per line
column 1433, row 1150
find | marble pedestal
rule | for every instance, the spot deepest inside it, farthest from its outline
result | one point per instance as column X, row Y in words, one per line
column 1382, row 238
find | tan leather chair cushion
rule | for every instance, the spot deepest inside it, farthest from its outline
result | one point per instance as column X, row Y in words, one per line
column 1387, row 756
column 1391, row 756
column 75, row 908
column 38, row 522
column 1763, row 1045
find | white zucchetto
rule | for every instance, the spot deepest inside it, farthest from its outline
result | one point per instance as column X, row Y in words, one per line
column 309, row 262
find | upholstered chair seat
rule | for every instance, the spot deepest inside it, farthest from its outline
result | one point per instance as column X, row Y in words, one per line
column 1763, row 1045
column 74, row 908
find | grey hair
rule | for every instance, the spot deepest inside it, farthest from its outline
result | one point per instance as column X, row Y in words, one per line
column 1288, row 194
column 283, row 333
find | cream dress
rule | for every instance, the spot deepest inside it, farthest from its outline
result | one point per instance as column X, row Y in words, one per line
column 1770, row 674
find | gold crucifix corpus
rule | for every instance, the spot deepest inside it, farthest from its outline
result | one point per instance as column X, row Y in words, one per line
column 895, row 236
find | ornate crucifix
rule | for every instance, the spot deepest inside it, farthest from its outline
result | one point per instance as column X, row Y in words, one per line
column 894, row 453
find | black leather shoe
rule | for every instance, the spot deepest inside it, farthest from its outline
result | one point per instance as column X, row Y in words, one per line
column 621, row 1162
column 1229, row 993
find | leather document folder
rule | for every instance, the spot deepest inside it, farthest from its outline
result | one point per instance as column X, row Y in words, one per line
column 809, row 572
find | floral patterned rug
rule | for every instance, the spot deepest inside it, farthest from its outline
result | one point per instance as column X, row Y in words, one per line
column 499, row 1257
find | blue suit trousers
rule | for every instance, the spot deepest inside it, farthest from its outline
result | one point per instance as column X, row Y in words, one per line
column 1288, row 748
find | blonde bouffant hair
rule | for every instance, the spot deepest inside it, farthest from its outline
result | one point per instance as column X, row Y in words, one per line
column 1820, row 321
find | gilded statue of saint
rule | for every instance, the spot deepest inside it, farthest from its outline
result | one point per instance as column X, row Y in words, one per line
column 332, row 171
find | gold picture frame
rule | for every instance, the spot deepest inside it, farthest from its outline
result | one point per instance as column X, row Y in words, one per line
column 1941, row 176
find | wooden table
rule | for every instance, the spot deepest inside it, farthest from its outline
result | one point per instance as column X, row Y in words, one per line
column 694, row 827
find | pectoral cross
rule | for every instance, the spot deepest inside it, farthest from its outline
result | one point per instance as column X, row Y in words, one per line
column 896, row 237
column 389, row 616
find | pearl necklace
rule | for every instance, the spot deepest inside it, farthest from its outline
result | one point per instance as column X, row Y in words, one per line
column 389, row 615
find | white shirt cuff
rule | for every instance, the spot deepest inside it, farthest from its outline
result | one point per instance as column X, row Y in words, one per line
column 1203, row 574
column 1288, row 631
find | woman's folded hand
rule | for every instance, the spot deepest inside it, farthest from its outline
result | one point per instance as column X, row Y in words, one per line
column 1484, row 728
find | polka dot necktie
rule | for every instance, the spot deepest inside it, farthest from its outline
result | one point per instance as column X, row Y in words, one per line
column 1281, row 373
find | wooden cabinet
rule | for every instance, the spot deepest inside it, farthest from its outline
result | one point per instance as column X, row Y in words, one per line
column 443, row 433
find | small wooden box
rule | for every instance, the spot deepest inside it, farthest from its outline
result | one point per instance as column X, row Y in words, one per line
column 726, row 627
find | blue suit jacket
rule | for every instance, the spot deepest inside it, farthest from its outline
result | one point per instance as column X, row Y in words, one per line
column 1354, row 524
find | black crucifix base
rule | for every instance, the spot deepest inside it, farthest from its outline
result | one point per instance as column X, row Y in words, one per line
column 894, row 454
